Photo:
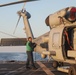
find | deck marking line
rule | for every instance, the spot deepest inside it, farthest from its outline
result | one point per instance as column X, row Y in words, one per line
column 47, row 71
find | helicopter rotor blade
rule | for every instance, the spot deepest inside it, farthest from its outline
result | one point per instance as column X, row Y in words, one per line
column 17, row 2
column 23, row 5
column 17, row 24
column 19, row 19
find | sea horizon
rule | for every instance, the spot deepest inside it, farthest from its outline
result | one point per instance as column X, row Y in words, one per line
column 8, row 49
column 16, row 53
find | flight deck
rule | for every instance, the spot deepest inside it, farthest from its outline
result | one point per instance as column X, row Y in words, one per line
column 18, row 68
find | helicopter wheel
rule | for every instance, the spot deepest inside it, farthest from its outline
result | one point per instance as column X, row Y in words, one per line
column 72, row 70
column 61, row 64
column 55, row 64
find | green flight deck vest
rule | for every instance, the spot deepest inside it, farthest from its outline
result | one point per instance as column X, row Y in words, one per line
column 28, row 48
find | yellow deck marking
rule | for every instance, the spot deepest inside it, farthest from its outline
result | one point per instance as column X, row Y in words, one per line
column 47, row 71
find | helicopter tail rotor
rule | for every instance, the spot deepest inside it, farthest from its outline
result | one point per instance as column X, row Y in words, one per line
column 19, row 18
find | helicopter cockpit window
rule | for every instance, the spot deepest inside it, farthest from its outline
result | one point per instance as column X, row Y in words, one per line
column 68, row 36
column 56, row 39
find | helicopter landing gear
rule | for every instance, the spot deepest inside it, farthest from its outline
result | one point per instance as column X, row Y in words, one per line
column 55, row 64
column 72, row 70
column 61, row 64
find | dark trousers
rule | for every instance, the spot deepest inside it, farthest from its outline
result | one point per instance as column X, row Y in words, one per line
column 30, row 59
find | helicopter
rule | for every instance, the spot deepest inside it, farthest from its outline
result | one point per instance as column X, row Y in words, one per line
column 60, row 42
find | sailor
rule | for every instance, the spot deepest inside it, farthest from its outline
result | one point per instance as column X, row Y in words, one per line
column 29, row 50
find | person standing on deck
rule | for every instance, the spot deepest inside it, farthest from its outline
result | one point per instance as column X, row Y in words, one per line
column 29, row 50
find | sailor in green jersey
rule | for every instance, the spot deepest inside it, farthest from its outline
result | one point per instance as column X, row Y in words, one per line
column 29, row 46
column 29, row 50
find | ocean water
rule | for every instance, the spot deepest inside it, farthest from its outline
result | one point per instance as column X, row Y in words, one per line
column 18, row 56
column 16, row 53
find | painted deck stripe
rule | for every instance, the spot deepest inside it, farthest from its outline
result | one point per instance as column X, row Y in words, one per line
column 47, row 71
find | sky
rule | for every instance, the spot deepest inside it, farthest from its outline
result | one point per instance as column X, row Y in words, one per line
column 39, row 10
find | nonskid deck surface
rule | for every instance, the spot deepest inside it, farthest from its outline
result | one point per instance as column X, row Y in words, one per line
column 18, row 68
